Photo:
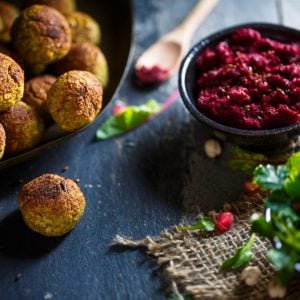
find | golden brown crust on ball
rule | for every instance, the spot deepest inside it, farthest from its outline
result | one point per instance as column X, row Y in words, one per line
column 51, row 205
column 11, row 82
column 85, row 57
column 64, row 6
column 23, row 127
column 84, row 28
column 2, row 141
column 35, row 93
column 8, row 14
column 41, row 34
column 75, row 99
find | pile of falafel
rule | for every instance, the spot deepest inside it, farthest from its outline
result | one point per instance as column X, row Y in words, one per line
column 51, row 70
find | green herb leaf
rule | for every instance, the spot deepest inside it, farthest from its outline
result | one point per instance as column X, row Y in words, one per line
column 242, row 257
column 281, row 209
column 244, row 160
column 279, row 196
column 292, row 184
column 284, row 262
column 130, row 118
column 283, row 223
column 293, row 165
column 263, row 228
column 292, row 187
column 270, row 177
column 205, row 223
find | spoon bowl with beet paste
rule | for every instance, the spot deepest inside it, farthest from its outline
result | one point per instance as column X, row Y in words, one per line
column 244, row 83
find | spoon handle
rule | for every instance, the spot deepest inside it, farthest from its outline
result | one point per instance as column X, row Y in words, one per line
column 196, row 16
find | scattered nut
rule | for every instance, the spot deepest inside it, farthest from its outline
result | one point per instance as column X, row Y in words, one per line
column 212, row 148
column 251, row 275
column 275, row 290
column 255, row 216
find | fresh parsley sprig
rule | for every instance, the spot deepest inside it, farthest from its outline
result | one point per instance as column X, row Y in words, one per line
column 281, row 223
column 242, row 256
column 205, row 224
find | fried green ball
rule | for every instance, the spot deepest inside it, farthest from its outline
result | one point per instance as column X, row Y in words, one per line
column 75, row 99
column 11, row 82
column 64, row 6
column 35, row 94
column 8, row 14
column 23, row 127
column 84, row 28
column 2, row 141
column 85, row 57
column 51, row 205
column 41, row 35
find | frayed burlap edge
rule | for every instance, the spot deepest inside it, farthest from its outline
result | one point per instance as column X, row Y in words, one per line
column 191, row 260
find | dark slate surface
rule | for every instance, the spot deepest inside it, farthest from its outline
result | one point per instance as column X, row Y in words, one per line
column 135, row 185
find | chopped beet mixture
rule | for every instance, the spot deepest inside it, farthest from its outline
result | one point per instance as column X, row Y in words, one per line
column 250, row 81
column 151, row 75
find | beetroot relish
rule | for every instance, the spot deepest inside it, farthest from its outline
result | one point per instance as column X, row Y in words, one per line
column 151, row 75
column 250, row 81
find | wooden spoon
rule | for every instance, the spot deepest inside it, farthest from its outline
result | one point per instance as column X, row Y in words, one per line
column 161, row 60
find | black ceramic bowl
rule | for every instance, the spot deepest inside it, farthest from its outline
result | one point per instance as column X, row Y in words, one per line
column 267, row 139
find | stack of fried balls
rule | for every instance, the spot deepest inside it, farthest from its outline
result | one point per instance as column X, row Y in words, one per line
column 51, row 70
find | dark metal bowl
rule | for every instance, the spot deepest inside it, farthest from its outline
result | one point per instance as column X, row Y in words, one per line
column 116, row 20
column 267, row 139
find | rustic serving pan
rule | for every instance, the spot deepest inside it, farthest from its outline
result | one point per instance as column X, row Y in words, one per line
column 116, row 20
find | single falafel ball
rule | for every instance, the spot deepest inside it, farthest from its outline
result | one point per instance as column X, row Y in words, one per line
column 64, row 6
column 2, row 141
column 75, row 99
column 85, row 57
column 35, row 94
column 51, row 205
column 8, row 14
column 84, row 28
column 24, row 128
column 41, row 34
column 11, row 82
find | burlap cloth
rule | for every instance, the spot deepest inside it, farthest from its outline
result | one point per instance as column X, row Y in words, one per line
column 191, row 260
